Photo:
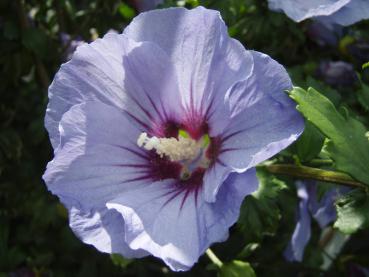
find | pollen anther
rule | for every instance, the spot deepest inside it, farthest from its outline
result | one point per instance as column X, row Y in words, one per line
column 181, row 149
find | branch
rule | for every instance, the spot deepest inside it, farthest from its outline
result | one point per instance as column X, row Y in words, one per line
column 213, row 258
column 315, row 174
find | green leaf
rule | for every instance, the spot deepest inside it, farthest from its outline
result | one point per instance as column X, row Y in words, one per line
column 236, row 269
column 352, row 212
column 363, row 96
column 348, row 146
column 192, row 3
column 248, row 250
column 326, row 90
column 126, row 11
column 36, row 41
column 269, row 187
column 365, row 65
column 309, row 143
column 260, row 213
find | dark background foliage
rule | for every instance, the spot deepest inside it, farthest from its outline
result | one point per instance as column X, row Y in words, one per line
column 35, row 239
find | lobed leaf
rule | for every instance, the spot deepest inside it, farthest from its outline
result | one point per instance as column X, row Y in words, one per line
column 348, row 146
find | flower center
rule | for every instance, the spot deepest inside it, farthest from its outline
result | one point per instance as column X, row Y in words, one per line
column 188, row 152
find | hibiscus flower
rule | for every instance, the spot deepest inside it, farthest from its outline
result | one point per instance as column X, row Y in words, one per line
column 156, row 133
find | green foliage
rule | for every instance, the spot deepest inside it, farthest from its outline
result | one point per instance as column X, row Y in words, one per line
column 348, row 146
column 126, row 11
column 35, row 239
column 10, row 146
column 36, row 41
column 352, row 212
column 260, row 213
column 236, row 269
column 310, row 143
column 363, row 96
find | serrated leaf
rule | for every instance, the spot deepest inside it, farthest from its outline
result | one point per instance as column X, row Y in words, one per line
column 259, row 212
column 326, row 90
column 236, row 269
column 348, row 146
column 352, row 212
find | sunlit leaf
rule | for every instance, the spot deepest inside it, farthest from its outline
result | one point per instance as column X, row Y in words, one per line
column 352, row 212
column 348, row 146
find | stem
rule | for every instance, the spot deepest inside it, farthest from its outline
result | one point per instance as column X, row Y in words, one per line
column 213, row 258
column 321, row 162
column 315, row 174
column 327, row 237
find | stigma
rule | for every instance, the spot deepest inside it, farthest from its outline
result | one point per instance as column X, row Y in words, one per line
column 181, row 149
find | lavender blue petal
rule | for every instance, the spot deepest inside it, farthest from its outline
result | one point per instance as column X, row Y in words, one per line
column 359, row 50
column 328, row 12
column 301, row 234
column 325, row 35
column 213, row 179
column 323, row 210
column 264, row 119
column 107, row 71
column 93, row 165
column 354, row 11
column 95, row 162
column 70, row 44
column 104, row 229
column 207, row 61
column 176, row 229
column 337, row 74
column 299, row 10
